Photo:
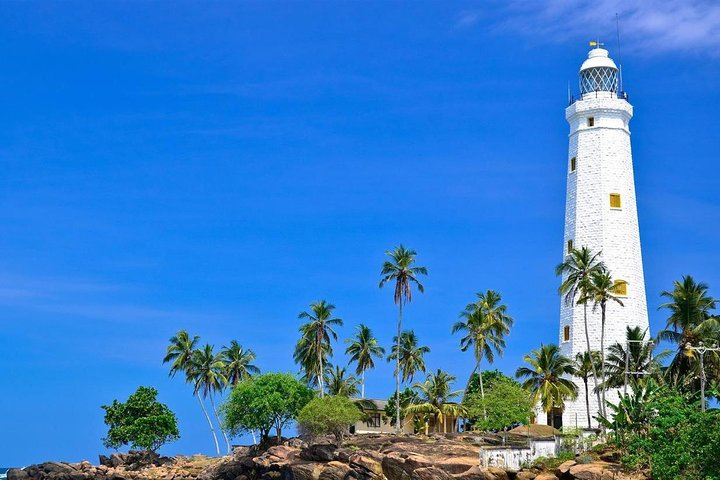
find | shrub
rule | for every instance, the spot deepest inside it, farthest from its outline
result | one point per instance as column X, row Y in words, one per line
column 329, row 415
column 506, row 404
column 141, row 422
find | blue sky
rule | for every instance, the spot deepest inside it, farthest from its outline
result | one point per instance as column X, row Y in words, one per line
column 218, row 166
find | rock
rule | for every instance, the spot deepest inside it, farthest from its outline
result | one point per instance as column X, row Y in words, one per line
column 335, row 471
column 564, row 468
column 610, row 457
column 104, row 460
column 342, row 455
column 17, row 474
column 525, row 475
column 320, row 452
column 366, row 466
column 456, row 465
column 591, row 471
column 399, row 466
column 306, row 471
column 495, row 473
column 431, row 473
column 473, row 473
column 278, row 454
column 117, row 459
column 546, row 476
column 296, row 443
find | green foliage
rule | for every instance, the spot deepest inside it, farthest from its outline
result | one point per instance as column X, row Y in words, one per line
column 267, row 401
column 141, row 422
column 407, row 397
column 489, row 377
column 505, row 402
column 329, row 415
column 551, row 463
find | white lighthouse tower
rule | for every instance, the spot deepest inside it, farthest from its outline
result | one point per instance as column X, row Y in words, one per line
column 601, row 214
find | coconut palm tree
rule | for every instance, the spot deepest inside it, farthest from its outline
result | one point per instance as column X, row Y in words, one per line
column 435, row 397
column 338, row 382
column 238, row 363
column 206, row 372
column 485, row 323
column 602, row 289
column 690, row 322
column 314, row 347
column 362, row 348
column 411, row 359
column 400, row 269
column 544, row 377
column 576, row 272
column 180, row 356
column 585, row 364
column 634, row 356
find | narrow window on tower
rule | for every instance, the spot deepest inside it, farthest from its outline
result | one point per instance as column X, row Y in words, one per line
column 566, row 333
column 569, row 246
column 573, row 164
column 590, row 121
column 620, row 288
column 615, row 201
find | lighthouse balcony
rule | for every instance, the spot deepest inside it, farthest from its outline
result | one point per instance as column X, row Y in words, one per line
column 622, row 95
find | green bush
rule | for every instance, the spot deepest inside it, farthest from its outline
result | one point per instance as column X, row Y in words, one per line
column 329, row 415
column 141, row 422
column 506, row 403
column 551, row 463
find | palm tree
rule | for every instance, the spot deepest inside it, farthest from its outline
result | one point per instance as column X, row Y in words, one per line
column 338, row 383
column 400, row 269
column 690, row 322
column 362, row 348
column 602, row 290
column 585, row 364
column 576, row 271
column 180, row 354
column 435, row 399
column 238, row 363
column 314, row 346
column 485, row 322
column 207, row 374
column 411, row 359
column 635, row 357
column 544, row 377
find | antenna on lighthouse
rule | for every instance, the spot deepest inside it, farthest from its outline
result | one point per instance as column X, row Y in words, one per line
column 617, row 30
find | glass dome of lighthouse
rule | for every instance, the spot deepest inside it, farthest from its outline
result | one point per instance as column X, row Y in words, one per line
column 598, row 73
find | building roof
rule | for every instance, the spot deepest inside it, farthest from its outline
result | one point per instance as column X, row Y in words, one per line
column 371, row 404
column 535, row 430
column 598, row 57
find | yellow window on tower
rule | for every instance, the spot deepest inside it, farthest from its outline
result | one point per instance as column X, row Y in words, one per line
column 573, row 164
column 620, row 288
column 615, row 200
column 569, row 246
column 566, row 333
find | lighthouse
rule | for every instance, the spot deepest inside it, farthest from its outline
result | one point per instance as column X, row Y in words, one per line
column 601, row 214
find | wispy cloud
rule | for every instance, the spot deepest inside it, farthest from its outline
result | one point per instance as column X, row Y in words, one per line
column 467, row 18
column 648, row 27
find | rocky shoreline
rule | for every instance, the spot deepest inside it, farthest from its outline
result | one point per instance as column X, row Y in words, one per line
column 378, row 457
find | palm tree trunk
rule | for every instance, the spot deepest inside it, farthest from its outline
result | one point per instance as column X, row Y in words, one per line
column 587, row 339
column 207, row 417
column 602, row 356
column 320, row 375
column 587, row 401
column 397, row 370
column 362, row 384
column 467, row 385
column 217, row 418
column 482, row 390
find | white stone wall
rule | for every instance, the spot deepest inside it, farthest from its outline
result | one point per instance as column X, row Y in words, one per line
column 603, row 166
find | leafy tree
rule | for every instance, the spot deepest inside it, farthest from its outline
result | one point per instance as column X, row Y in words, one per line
column 329, row 415
column 207, row 372
column 489, row 377
column 435, row 396
column 407, row 397
column 544, row 377
column 401, row 270
column 504, row 405
column 690, row 322
column 341, row 384
column 238, row 363
column 362, row 348
column 265, row 402
column 141, row 422
column 179, row 355
column 412, row 356
column 314, row 347
column 576, row 273
column 485, row 323
column 585, row 364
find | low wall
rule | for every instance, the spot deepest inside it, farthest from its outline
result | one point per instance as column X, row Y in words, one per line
column 514, row 457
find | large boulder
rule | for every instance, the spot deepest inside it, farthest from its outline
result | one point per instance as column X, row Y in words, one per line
column 401, row 465
column 17, row 474
column 591, row 471
column 366, row 465
column 456, row 465
column 563, row 471
column 279, row 454
column 431, row 473
column 525, row 475
column 319, row 452
column 336, row 471
column 546, row 476
column 473, row 473
column 306, row 470
column 495, row 473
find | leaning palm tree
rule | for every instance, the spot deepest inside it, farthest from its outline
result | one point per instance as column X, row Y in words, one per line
column 634, row 361
column 485, row 323
column 362, row 348
column 435, row 399
column 206, row 372
column 339, row 383
column 238, row 363
column 602, row 289
column 576, row 272
column 585, row 364
column 690, row 322
column 314, row 347
column 180, row 356
column 545, row 377
column 400, row 269
column 412, row 356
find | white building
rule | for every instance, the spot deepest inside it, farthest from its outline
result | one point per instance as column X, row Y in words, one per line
column 601, row 214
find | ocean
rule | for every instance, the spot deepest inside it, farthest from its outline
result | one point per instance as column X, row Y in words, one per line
column 3, row 473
